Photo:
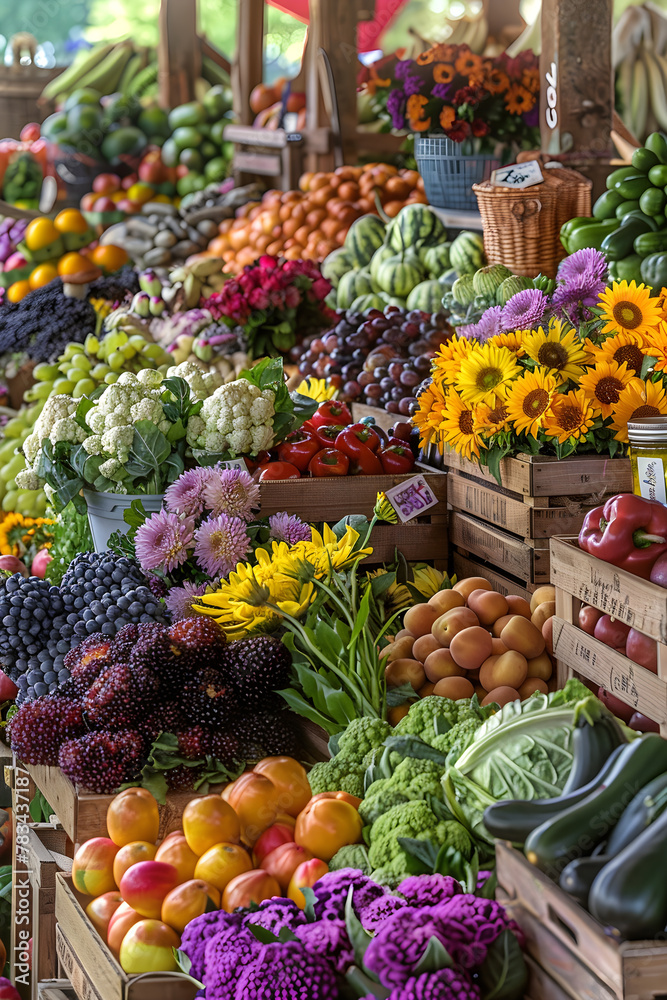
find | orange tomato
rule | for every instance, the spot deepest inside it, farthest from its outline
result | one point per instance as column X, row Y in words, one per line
column 40, row 233
column 18, row 290
column 109, row 257
column 188, row 901
column 254, row 797
column 207, row 821
column 70, row 220
column 133, row 815
column 42, row 275
column 72, row 263
column 221, row 863
column 131, row 854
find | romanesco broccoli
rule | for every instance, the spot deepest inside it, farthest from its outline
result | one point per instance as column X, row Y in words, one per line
column 363, row 735
column 341, row 774
column 422, row 718
column 415, row 820
column 412, row 779
column 351, row 856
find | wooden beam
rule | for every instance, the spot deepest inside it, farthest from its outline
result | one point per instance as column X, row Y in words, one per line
column 216, row 56
column 501, row 14
column 248, row 64
column 333, row 27
column 179, row 54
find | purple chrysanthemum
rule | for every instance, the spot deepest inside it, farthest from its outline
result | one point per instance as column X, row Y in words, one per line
column 289, row 528
column 524, row 310
column 395, row 107
column 402, row 68
column 411, row 85
column 232, row 492
column 379, row 911
column 445, row 984
column 468, row 925
column 185, row 496
column 587, row 263
column 400, row 943
column 442, row 90
column 429, row 890
column 220, row 544
column 162, row 542
column 329, row 939
column 489, row 324
column 179, row 600
column 277, row 913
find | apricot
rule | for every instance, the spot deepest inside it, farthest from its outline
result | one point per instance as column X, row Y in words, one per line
column 501, row 695
column 249, row 887
column 188, row 901
column 121, row 920
column 454, row 688
column 426, row 689
column 130, row 855
column 518, row 605
column 445, row 600
column 398, row 650
column 405, row 672
column 498, row 646
column 530, row 686
column 92, row 867
column 488, row 605
column 542, row 613
column 507, row 670
column 548, row 635
column 419, row 619
column 221, row 863
column 207, row 821
column 282, row 862
column 500, row 624
column 448, row 625
column 471, row 647
column 523, row 636
column 133, row 815
column 440, row 663
column 291, row 780
column 423, row 646
column 466, row 586
column 255, row 799
column 542, row 594
column 174, row 850
column 540, row 667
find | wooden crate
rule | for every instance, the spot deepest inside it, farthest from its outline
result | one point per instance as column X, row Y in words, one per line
column 46, row 858
column 525, row 559
column 380, row 416
column 91, row 967
column 463, row 565
column 570, row 946
column 56, row 989
column 582, row 578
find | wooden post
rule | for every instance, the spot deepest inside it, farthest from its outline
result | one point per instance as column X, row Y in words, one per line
column 248, row 65
column 333, row 27
column 179, row 54
column 501, row 14
column 577, row 83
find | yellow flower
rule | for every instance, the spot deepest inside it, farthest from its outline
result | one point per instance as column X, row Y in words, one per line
column 317, row 388
column 558, row 349
column 570, row 416
column 432, row 411
column 101, row 306
column 604, row 384
column 512, row 341
column 383, row 509
column 427, row 580
column 459, row 428
column 640, row 399
column 630, row 348
column 629, row 307
column 529, row 400
column 492, row 417
column 18, row 531
column 325, row 551
column 395, row 597
column 656, row 346
column 447, row 362
column 486, row 372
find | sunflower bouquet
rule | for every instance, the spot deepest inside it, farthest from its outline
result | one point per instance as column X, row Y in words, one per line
column 451, row 91
column 567, row 383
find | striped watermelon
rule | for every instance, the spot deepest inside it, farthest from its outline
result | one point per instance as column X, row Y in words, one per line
column 467, row 253
column 364, row 302
column 510, row 287
column 392, row 300
column 384, row 253
column 335, row 265
column 436, row 259
column 427, row 296
column 448, row 278
column 398, row 277
column 363, row 238
column 415, row 226
column 351, row 285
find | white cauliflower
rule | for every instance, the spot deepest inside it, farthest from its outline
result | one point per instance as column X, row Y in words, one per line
column 150, row 378
column 31, row 447
column 118, row 442
column 112, row 469
column 201, row 383
column 238, row 418
column 26, row 479
column 67, row 429
column 93, row 444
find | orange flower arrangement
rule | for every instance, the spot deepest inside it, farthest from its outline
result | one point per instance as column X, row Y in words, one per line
column 415, row 109
column 443, row 73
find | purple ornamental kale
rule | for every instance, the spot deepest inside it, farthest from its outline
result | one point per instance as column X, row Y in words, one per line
column 224, row 958
column 468, row 925
column 328, row 938
column 198, row 933
column 446, row 984
column 275, row 914
column 429, row 890
column 332, row 890
column 400, row 943
column 285, row 972
column 379, row 910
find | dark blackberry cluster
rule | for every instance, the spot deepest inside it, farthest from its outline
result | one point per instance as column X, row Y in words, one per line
column 39, row 623
column 102, row 761
column 257, row 668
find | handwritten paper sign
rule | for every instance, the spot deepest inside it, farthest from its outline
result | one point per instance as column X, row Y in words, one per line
column 411, row 498
column 518, row 175
column 234, row 463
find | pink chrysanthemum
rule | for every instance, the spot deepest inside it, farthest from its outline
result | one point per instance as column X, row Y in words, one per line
column 525, row 310
column 179, row 600
column 220, row 544
column 232, row 492
column 162, row 542
column 289, row 528
column 186, row 495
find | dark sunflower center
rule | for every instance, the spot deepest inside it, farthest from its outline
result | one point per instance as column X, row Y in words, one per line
column 498, row 416
column 487, row 378
column 535, row 402
column 627, row 314
column 608, row 389
column 552, row 355
column 570, row 417
column 465, row 422
column 632, row 356
column 644, row 411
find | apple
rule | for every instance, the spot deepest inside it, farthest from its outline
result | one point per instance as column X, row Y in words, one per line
column 8, row 689
column 106, row 183
column 641, row 724
column 87, row 202
column 611, row 631
column 127, row 206
column 40, row 562
column 272, row 838
column 10, row 564
column 128, row 181
column 149, row 946
column 615, row 705
column 642, row 650
column 152, row 172
column 659, row 571
column 15, row 260
column 104, row 204
column 145, row 885
column 588, row 618
column 30, row 132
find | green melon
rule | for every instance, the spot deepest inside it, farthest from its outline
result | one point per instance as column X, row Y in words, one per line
column 416, row 226
column 467, row 253
column 364, row 237
column 463, row 290
column 335, row 265
column 392, row 300
column 398, row 277
column 364, row 302
column 436, row 259
column 351, row 286
column 487, row 280
column 510, row 286
column 427, row 296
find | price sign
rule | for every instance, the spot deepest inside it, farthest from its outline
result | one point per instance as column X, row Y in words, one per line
column 518, row 175
column 234, row 463
column 411, row 498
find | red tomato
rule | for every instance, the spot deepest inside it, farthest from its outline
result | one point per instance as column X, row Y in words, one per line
column 278, row 470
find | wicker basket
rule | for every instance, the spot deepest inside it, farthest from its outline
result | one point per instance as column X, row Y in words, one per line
column 522, row 228
column 20, row 86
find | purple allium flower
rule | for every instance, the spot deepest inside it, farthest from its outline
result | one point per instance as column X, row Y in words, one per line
column 179, row 600
column 429, row 890
column 400, row 943
column 185, row 496
column 289, row 528
column 329, row 939
column 442, row 91
column 332, row 889
column 276, row 913
column 402, row 68
column 411, row 85
column 232, row 492
column 396, row 108
column 379, row 910
column 286, row 972
column 581, row 278
column 199, row 932
column 524, row 310
column 162, row 541
column 467, row 925
column 445, row 984
column 220, row 544
column 489, row 324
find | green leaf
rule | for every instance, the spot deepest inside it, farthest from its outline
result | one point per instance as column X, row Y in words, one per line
column 175, row 466
column 184, row 963
column 362, row 615
column 380, row 584
column 359, row 522
column 423, row 851
column 156, row 783
column 504, row 974
column 493, row 459
column 91, row 469
column 329, row 640
column 435, row 957
column 399, row 695
column 179, row 389
column 302, row 707
column 68, row 491
column 359, row 937
column 85, row 404
column 647, row 364
column 96, row 393
column 334, row 742
column 363, row 985
column 78, row 459
column 441, row 725
column 414, row 746
column 263, row 934
column 311, row 899
column 135, row 515
column 150, row 449
column 176, row 432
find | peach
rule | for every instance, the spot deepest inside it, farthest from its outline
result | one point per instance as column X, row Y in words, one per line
column 518, row 606
column 221, row 863
column 133, row 815
column 174, row 851
column 92, row 867
column 188, row 901
column 507, row 670
column 423, row 646
column 530, row 686
column 498, row 646
column 255, row 800
column 501, row 695
column 466, row 586
column 540, row 666
column 405, row 672
column 284, row 861
column 446, row 626
column 207, row 821
column 454, row 688
column 542, row 594
column 306, row 875
column 445, row 600
column 275, row 836
column 500, row 624
column 149, row 947
column 588, row 618
column 131, row 854
column 145, row 885
column 488, row 605
column 398, row 650
column 119, row 924
column 101, row 909
column 548, row 635
column 291, row 780
column 426, row 689
column 440, row 663
column 250, row 887
column 419, row 619
column 471, row 647
column 397, row 712
column 542, row 613
column 524, row 637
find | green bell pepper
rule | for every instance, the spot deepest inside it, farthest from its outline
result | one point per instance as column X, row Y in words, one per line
column 583, row 232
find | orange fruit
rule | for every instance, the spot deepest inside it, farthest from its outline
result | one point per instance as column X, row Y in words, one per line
column 72, row 263
column 188, row 901
column 131, row 854
column 174, row 851
column 207, row 821
column 109, row 257
column 39, row 233
column 221, row 863
column 42, row 275
column 18, row 291
column 133, row 815
column 70, row 220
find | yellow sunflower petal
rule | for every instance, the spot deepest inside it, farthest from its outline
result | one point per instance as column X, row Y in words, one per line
column 629, row 307
column 528, row 401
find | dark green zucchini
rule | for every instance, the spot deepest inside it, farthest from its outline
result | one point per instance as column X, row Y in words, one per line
column 594, row 738
column 578, row 877
column 576, row 832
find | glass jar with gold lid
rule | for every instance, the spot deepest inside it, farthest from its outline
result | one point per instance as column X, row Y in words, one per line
column 648, row 457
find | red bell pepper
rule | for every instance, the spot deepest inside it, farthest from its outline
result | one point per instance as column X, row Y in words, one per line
column 360, row 442
column 331, row 412
column 327, row 434
column 278, row 470
column 628, row 531
column 298, row 448
column 397, row 458
column 329, row 462
column 261, row 458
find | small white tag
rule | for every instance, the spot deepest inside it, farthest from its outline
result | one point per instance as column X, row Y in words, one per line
column 651, row 476
column 518, row 175
column 234, row 463
column 411, row 498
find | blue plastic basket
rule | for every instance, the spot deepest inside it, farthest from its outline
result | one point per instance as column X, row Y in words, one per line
column 448, row 176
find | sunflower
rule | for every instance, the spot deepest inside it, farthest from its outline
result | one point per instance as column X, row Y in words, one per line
column 519, row 100
column 496, row 81
column 512, row 341
column 557, row 349
column 623, row 347
column 447, row 362
column 459, row 428
column 492, row 417
column 486, row 372
column 468, row 63
column 415, row 109
column 640, row 399
column 656, row 346
column 604, row 384
column 319, row 389
column 629, row 308
column 529, row 400
column 443, row 73
column 432, row 411
column 570, row 416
